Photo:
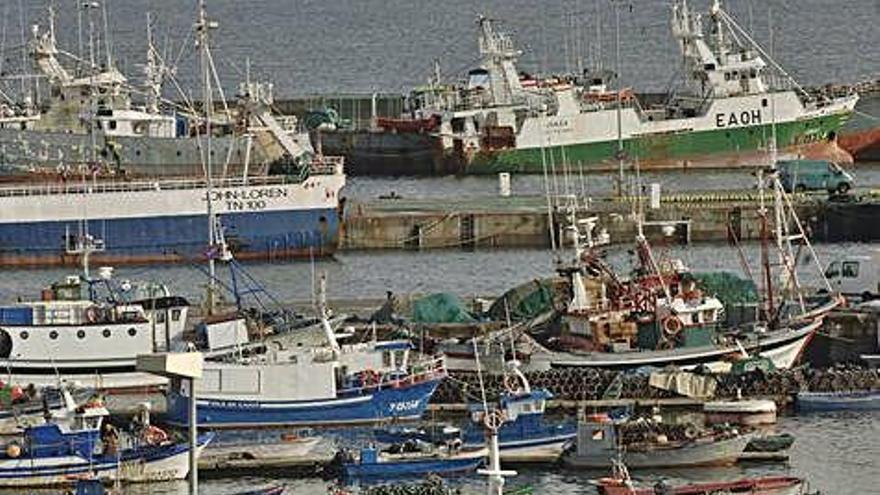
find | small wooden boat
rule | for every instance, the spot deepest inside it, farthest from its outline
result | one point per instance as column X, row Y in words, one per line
column 768, row 485
column 860, row 400
column 748, row 412
column 270, row 490
column 598, row 443
column 410, row 462
column 620, row 483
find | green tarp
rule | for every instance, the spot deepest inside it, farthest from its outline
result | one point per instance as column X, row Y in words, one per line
column 440, row 308
column 525, row 301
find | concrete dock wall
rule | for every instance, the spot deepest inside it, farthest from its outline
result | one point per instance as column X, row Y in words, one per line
column 524, row 221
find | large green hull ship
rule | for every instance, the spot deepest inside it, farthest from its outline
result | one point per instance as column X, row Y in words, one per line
column 724, row 114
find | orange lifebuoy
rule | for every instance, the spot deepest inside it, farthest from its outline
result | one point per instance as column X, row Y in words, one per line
column 671, row 326
column 155, row 435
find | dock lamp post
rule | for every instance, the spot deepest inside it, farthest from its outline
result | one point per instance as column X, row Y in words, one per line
column 184, row 366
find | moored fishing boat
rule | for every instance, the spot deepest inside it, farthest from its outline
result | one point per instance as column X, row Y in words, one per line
column 332, row 384
column 856, row 400
column 80, row 444
column 372, row 463
column 500, row 121
column 525, row 435
column 600, row 440
column 619, row 483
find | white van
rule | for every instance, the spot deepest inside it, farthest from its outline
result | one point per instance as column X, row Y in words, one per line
column 856, row 275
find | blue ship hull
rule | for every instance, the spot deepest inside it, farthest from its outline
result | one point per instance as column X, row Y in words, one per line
column 264, row 235
column 838, row 401
column 145, row 463
column 381, row 405
column 527, row 432
column 407, row 468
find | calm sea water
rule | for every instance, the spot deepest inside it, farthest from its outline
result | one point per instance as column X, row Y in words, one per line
column 319, row 46
column 369, row 274
column 837, row 453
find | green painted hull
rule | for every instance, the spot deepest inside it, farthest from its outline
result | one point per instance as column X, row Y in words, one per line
column 659, row 151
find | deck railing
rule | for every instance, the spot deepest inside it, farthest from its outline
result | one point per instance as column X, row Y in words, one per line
column 319, row 166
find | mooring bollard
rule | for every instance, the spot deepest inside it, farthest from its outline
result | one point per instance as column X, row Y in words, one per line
column 504, row 184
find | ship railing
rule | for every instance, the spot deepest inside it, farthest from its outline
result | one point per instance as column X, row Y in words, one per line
column 145, row 185
column 418, row 372
column 326, row 165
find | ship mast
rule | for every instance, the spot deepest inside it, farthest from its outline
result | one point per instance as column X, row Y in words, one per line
column 202, row 27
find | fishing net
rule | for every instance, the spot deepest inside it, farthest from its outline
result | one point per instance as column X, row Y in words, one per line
column 728, row 287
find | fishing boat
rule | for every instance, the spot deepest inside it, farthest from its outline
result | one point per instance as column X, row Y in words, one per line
column 160, row 219
column 415, row 461
column 857, row 400
column 600, row 440
column 525, row 435
column 80, row 444
column 620, row 483
column 331, row 384
column 135, row 130
column 89, row 328
column 499, row 121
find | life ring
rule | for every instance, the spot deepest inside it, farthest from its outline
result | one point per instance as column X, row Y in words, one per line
column 371, row 378
column 494, row 419
column 511, row 385
column 13, row 450
column 671, row 326
column 155, row 435
column 92, row 314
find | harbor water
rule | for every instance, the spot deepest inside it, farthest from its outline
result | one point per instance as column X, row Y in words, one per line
column 836, row 452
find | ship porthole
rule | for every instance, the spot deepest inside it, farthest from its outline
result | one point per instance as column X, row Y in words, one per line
column 106, row 333
column 132, row 331
column 80, row 334
column 53, row 335
column 24, row 335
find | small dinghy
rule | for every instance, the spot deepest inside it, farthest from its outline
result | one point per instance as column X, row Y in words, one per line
column 77, row 444
column 410, row 459
column 859, row 400
column 269, row 490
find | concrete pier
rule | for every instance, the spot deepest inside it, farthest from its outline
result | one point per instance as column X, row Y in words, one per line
column 524, row 221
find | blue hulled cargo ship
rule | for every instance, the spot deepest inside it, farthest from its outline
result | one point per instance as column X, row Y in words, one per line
column 268, row 218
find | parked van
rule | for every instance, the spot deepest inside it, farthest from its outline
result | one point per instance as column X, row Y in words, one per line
column 856, row 275
column 813, row 175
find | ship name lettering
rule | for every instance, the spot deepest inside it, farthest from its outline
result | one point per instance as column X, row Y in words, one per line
column 404, row 406
column 262, row 193
column 734, row 119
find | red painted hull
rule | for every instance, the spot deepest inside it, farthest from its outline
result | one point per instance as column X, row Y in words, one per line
column 770, row 485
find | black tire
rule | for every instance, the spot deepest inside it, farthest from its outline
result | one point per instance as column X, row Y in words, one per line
column 843, row 188
column 867, row 296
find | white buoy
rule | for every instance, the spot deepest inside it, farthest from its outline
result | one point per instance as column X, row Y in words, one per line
column 504, row 184
column 655, row 195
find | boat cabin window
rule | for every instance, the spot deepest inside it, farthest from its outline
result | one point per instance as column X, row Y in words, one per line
column 160, row 317
column 833, row 270
column 386, row 359
column 112, row 124
column 400, row 359
column 175, row 315
column 850, row 269
column 598, row 435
